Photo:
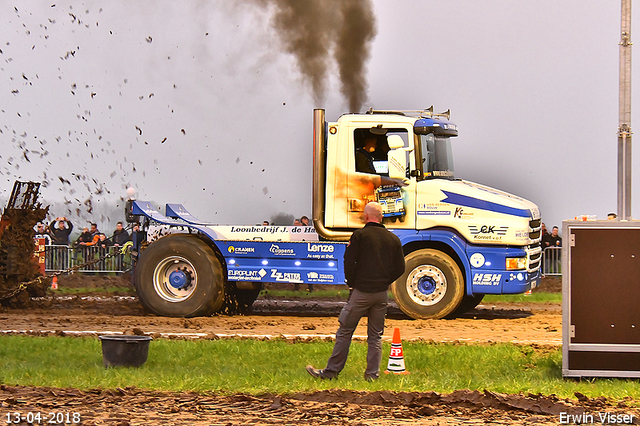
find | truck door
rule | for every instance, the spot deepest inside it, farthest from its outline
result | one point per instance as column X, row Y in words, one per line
column 368, row 174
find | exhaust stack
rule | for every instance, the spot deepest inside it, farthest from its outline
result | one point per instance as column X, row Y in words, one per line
column 319, row 179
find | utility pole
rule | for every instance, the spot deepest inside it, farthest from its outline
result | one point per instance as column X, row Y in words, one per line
column 624, row 116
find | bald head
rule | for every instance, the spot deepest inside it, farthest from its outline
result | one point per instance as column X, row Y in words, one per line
column 373, row 212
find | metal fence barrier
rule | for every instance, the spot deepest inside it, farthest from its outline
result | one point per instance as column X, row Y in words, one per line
column 59, row 258
column 551, row 261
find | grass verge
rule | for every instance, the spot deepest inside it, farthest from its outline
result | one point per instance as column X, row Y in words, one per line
column 254, row 366
column 325, row 294
column 521, row 298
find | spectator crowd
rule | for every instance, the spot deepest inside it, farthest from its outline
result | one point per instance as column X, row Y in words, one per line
column 58, row 233
column 551, row 258
column 552, row 239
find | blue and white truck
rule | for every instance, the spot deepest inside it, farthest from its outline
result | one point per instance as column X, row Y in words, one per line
column 461, row 240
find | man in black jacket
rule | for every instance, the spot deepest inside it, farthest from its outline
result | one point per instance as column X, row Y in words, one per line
column 120, row 235
column 373, row 260
column 60, row 233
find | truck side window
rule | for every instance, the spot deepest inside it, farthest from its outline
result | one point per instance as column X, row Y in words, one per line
column 371, row 150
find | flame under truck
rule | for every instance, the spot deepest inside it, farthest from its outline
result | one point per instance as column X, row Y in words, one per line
column 461, row 240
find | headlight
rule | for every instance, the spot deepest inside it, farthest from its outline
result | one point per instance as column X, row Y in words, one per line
column 513, row 263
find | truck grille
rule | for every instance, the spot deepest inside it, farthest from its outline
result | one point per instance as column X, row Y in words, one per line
column 534, row 251
column 535, row 229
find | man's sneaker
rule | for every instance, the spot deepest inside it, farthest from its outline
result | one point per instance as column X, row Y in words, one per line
column 319, row 374
column 370, row 378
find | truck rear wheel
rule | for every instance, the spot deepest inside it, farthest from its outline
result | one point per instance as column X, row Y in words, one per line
column 432, row 285
column 180, row 276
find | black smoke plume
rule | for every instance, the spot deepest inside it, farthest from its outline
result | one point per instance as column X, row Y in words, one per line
column 312, row 30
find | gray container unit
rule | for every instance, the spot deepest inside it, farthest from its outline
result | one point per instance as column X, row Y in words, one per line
column 601, row 299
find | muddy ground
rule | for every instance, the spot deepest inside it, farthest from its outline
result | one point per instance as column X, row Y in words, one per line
column 132, row 406
column 273, row 317
column 90, row 314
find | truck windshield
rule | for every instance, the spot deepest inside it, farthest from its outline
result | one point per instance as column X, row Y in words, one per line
column 437, row 160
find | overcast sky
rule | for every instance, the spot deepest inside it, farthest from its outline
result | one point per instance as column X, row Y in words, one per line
column 196, row 102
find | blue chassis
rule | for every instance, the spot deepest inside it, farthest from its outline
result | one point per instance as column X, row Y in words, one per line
column 321, row 262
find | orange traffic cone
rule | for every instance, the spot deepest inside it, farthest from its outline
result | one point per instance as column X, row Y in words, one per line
column 396, row 358
column 54, row 283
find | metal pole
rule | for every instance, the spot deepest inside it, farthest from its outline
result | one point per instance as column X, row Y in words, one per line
column 624, row 116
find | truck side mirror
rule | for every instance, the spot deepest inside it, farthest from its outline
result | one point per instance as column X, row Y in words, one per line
column 397, row 157
column 395, row 142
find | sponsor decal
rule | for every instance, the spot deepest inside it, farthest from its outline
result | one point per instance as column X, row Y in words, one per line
column 488, row 229
column 240, row 250
column 324, row 248
column 520, row 276
column 434, row 213
column 320, row 256
column 432, row 206
column 302, row 230
column 476, row 260
column 259, row 229
column 488, row 232
column 275, row 249
column 242, row 275
column 316, row 277
column 291, row 277
column 460, row 213
column 487, row 279
column 522, row 234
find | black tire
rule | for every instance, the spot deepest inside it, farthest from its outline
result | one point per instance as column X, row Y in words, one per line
column 246, row 298
column 195, row 266
column 467, row 304
column 431, row 287
column 239, row 300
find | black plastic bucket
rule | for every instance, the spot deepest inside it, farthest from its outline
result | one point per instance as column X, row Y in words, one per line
column 125, row 351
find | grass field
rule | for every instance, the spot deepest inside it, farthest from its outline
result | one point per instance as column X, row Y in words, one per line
column 254, row 366
column 522, row 298
column 327, row 294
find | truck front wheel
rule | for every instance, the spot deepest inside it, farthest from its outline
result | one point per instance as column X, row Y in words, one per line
column 180, row 276
column 467, row 304
column 431, row 287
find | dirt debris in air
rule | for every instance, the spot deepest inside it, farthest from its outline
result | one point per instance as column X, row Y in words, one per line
column 132, row 406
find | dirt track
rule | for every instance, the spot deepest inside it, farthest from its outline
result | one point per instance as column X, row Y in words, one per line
column 517, row 323
column 78, row 315
column 496, row 323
